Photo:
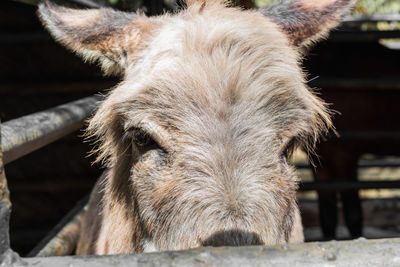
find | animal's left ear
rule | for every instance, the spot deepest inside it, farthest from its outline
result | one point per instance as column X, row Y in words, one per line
column 307, row 21
column 106, row 35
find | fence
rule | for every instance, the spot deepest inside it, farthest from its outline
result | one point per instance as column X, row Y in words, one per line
column 24, row 135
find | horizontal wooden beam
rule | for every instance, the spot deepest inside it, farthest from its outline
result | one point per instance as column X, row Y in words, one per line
column 360, row 252
column 24, row 135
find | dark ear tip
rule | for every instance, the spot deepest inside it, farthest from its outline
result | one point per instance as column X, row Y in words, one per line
column 46, row 6
column 46, row 12
column 43, row 10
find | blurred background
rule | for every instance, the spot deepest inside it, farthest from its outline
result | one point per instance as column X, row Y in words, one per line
column 357, row 70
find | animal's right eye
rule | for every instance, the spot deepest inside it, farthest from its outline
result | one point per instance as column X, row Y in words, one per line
column 288, row 149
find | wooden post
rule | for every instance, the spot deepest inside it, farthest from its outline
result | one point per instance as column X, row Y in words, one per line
column 5, row 206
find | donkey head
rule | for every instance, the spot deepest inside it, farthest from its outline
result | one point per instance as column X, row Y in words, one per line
column 196, row 136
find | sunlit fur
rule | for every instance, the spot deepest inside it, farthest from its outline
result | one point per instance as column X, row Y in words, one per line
column 221, row 92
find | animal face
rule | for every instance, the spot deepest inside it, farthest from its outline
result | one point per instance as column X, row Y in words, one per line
column 196, row 136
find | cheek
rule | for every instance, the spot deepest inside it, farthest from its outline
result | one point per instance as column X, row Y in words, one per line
column 288, row 184
column 288, row 174
column 147, row 175
column 149, row 166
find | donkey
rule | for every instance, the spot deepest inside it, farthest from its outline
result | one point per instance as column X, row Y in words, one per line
column 196, row 137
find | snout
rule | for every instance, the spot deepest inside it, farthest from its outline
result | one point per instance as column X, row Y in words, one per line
column 232, row 238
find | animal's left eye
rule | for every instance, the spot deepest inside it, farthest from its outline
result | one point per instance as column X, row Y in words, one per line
column 142, row 139
column 288, row 149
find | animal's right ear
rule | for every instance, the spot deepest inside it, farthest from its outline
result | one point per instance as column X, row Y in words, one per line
column 307, row 21
column 109, row 36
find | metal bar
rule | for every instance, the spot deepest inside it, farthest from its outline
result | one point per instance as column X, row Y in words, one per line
column 360, row 252
column 348, row 185
column 378, row 163
column 368, row 135
column 393, row 45
column 29, row 133
column 363, row 84
column 362, row 164
column 62, row 239
column 365, row 135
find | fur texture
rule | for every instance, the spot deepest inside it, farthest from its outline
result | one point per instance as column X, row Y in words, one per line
column 307, row 21
column 195, row 138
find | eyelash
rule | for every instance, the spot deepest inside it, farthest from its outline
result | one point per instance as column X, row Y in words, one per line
column 142, row 139
column 288, row 148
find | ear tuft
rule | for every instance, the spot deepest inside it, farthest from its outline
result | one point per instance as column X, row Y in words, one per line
column 106, row 35
column 307, row 21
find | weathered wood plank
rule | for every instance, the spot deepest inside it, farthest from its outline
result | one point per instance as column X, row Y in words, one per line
column 26, row 134
column 5, row 206
column 361, row 252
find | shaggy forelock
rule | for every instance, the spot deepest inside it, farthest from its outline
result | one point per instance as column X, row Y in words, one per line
column 232, row 73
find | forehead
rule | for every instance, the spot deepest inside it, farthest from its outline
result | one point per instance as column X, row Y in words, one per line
column 219, row 65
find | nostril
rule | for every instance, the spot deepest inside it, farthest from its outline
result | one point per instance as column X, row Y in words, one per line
column 232, row 238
